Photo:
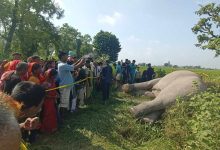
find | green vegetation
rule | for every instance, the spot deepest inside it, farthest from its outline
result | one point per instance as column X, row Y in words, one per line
column 190, row 124
column 100, row 126
column 207, row 28
column 27, row 27
column 194, row 123
column 108, row 44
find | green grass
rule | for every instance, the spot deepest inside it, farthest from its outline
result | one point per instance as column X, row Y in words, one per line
column 98, row 127
column 111, row 126
column 193, row 123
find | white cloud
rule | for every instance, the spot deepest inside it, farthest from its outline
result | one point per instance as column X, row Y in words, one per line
column 132, row 38
column 137, row 49
column 110, row 20
column 59, row 2
column 147, row 52
column 153, row 42
column 140, row 54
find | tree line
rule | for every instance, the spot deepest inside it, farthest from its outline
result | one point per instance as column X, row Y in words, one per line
column 26, row 27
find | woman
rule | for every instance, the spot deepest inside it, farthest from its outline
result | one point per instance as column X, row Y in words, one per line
column 50, row 64
column 10, row 78
column 36, row 74
column 49, row 113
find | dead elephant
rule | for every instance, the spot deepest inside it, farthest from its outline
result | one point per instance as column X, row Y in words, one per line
column 165, row 91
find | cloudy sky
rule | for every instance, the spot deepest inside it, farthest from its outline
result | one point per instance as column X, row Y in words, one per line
column 155, row 31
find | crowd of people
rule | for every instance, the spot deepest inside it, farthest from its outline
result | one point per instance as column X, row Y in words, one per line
column 43, row 92
column 129, row 72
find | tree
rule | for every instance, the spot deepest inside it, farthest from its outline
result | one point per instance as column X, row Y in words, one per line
column 5, row 12
column 86, row 46
column 168, row 64
column 208, row 27
column 27, row 24
column 78, row 46
column 107, row 43
column 14, row 21
column 72, row 39
column 68, row 37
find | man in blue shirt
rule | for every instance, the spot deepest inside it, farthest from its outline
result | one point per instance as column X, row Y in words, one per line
column 66, row 77
column 106, row 79
column 118, row 74
column 132, row 71
column 148, row 74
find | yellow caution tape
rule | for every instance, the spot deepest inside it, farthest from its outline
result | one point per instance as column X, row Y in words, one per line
column 23, row 146
column 67, row 85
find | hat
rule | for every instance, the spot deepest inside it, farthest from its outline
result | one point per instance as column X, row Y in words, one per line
column 72, row 53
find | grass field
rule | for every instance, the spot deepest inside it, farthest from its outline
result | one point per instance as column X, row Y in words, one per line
column 111, row 126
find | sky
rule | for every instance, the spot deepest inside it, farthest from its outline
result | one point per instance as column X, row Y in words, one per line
column 150, row 31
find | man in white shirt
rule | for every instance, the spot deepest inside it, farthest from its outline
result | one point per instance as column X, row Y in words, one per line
column 66, row 77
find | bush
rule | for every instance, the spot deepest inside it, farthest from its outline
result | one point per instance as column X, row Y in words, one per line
column 160, row 73
column 194, row 124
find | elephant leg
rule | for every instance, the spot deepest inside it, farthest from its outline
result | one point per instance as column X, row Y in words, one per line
column 154, row 116
column 149, row 94
column 146, row 108
column 140, row 86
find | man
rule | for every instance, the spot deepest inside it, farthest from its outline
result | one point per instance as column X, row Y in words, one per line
column 127, row 70
column 98, row 70
column 65, row 75
column 106, row 79
column 36, row 59
column 132, row 71
column 118, row 74
column 81, row 87
column 138, row 75
column 148, row 74
column 71, row 58
column 89, row 82
column 28, row 98
column 16, row 56
column 24, row 103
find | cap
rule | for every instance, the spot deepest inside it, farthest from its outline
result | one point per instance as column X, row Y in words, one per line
column 72, row 53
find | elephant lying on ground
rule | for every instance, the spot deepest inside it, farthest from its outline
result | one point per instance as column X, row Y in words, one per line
column 164, row 91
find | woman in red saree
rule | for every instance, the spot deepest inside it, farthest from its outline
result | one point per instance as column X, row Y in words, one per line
column 49, row 114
